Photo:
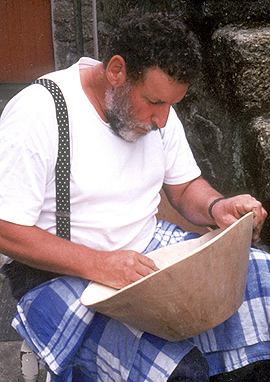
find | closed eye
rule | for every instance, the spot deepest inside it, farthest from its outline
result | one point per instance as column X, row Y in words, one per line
column 159, row 102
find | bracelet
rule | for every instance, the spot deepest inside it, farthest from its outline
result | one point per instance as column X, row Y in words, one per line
column 212, row 205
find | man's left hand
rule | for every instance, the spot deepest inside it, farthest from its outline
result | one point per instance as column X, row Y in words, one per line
column 228, row 210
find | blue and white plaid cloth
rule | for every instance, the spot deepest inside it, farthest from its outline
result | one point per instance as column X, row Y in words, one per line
column 77, row 344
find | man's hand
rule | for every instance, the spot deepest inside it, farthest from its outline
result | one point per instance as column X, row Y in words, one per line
column 227, row 211
column 121, row 268
column 39, row 249
column 192, row 200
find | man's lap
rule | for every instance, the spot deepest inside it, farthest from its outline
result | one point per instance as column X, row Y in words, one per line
column 105, row 346
column 62, row 336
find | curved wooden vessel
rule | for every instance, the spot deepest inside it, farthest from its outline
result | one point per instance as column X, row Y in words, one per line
column 200, row 284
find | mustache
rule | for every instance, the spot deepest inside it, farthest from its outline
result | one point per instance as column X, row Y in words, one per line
column 154, row 127
column 148, row 128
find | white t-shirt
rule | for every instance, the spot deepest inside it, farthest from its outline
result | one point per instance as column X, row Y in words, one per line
column 114, row 184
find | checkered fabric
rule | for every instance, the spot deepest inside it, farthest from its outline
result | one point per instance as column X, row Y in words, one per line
column 78, row 344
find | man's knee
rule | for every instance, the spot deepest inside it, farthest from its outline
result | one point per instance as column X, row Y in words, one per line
column 192, row 368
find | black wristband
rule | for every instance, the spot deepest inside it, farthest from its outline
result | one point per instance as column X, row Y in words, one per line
column 212, row 205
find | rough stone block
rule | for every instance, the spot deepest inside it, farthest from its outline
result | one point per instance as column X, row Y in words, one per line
column 63, row 16
column 87, row 22
column 258, row 164
column 213, row 137
column 242, row 61
column 224, row 12
column 66, row 53
column 259, row 155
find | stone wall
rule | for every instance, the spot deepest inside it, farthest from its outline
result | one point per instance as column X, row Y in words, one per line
column 226, row 114
column 66, row 31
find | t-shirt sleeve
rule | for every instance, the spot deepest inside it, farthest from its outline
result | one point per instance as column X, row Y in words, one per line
column 28, row 152
column 180, row 165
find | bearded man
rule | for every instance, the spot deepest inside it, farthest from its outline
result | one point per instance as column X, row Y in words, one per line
column 126, row 143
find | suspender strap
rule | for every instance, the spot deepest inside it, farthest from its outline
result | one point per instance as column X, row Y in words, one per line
column 62, row 170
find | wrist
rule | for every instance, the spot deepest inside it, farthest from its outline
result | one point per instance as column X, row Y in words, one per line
column 210, row 208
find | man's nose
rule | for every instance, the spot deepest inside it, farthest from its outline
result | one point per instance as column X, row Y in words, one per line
column 160, row 116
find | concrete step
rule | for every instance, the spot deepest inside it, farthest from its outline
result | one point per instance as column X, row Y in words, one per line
column 10, row 368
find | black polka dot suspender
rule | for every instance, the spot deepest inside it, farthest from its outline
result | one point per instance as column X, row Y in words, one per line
column 62, row 170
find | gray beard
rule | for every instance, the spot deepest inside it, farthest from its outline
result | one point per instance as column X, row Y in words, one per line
column 120, row 115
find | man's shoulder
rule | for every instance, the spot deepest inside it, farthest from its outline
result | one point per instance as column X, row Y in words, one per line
column 173, row 123
column 173, row 116
column 29, row 101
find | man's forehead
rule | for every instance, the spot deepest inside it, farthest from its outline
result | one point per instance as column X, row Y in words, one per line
column 154, row 71
column 156, row 83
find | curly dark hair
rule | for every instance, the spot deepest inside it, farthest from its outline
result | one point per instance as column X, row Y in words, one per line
column 155, row 40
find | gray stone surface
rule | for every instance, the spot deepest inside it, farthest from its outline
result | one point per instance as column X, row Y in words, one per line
column 240, row 69
column 223, row 12
column 10, row 369
column 257, row 159
column 226, row 115
column 64, row 31
column 213, row 137
column 10, row 361
column 242, row 61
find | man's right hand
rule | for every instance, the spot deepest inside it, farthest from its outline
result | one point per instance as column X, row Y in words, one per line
column 121, row 268
column 39, row 249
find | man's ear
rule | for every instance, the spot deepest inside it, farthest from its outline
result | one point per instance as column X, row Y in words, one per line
column 116, row 71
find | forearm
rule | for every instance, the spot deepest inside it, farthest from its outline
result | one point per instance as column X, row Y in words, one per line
column 193, row 201
column 42, row 250
column 39, row 249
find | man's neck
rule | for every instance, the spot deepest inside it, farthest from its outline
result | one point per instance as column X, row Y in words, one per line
column 94, row 84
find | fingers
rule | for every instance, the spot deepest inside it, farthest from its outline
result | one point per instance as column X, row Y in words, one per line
column 259, row 217
column 121, row 268
column 142, row 267
column 234, row 208
column 250, row 204
column 148, row 266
